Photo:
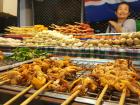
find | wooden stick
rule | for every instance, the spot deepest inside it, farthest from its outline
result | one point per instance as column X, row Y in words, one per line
column 2, row 74
column 18, row 95
column 101, row 95
column 1, row 83
column 28, row 100
column 69, row 99
column 2, row 77
column 122, row 99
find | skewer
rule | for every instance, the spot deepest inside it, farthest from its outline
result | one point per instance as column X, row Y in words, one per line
column 2, row 77
column 18, row 95
column 1, row 83
column 28, row 100
column 2, row 74
column 101, row 95
column 69, row 99
column 122, row 99
column 77, row 22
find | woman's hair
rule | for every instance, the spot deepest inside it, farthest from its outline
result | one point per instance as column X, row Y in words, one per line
column 122, row 4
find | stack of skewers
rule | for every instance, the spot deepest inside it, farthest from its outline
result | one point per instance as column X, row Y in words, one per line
column 56, row 75
column 76, row 29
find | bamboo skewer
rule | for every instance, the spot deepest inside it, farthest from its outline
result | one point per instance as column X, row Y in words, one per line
column 2, row 74
column 69, row 99
column 18, row 95
column 101, row 95
column 2, row 77
column 122, row 99
column 2, row 82
column 28, row 100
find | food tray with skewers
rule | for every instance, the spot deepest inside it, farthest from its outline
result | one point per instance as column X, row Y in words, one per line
column 112, row 83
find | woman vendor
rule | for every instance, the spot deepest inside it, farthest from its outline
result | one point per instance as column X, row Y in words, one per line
column 123, row 24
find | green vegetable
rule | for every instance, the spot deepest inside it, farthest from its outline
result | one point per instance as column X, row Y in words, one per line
column 22, row 54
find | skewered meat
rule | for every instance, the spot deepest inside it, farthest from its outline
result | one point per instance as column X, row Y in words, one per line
column 118, row 75
column 40, row 78
column 60, row 85
column 1, row 55
column 41, row 71
column 78, row 28
column 83, row 84
column 15, row 77
column 114, row 75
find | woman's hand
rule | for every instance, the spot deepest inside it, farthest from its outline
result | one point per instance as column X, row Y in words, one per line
column 113, row 23
column 116, row 26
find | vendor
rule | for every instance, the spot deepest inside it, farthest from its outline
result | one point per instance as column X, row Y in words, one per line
column 123, row 24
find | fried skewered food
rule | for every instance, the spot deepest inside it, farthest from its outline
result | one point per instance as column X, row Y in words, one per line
column 1, row 55
column 80, row 86
column 118, row 75
column 18, row 95
column 84, row 85
column 41, row 71
column 35, row 94
column 36, row 75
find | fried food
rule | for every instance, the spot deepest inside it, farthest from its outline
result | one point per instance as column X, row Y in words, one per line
column 1, row 55
column 118, row 75
column 84, row 85
column 41, row 71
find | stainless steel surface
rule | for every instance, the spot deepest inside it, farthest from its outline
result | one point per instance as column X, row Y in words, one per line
column 82, row 11
column 2, row 68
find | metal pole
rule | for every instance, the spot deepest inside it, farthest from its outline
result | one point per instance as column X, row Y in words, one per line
column 18, row 13
column 82, row 11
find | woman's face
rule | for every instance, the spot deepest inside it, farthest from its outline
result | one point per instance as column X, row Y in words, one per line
column 123, row 11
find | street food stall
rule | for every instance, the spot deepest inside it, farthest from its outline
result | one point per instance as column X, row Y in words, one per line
column 62, row 59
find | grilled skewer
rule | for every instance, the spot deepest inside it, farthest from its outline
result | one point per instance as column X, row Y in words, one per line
column 122, row 99
column 5, row 81
column 69, row 99
column 18, row 95
column 114, row 75
column 80, row 86
column 3, row 77
column 98, row 101
column 35, row 94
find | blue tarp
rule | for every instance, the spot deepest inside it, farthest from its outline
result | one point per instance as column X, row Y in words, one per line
column 105, row 11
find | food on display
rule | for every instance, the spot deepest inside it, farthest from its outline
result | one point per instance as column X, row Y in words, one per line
column 41, row 71
column 63, row 36
column 56, row 39
column 25, row 30
column 77, row 28
column 4, row 61
column 61, row 76
column 9, row 42
column 84, row 36
column 22, row 54
column 52, row 38
column 84, row 85
column 131, row 39
column 119, row 75
column 125, row 40
column 1, row 56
